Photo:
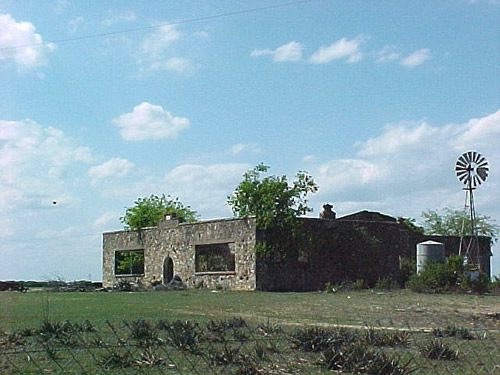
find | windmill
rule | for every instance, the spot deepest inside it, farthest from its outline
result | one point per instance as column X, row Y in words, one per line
column 472, row 170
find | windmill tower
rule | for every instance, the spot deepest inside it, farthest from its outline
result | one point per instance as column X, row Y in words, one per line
column 472, row 170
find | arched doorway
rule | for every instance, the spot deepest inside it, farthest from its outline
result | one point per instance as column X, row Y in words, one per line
column 168, row 270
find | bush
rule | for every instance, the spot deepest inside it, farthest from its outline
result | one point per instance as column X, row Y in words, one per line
column 495, row 285
column 332, row 288
column 437, row 350
column 386, row 283
column 454, row 331
column 438, row 277
column 407, row 268
column 479, row 285
column 358, row 284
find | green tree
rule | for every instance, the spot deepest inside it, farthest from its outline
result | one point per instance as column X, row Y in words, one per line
column 147, row 212
column 451, row 222
column 274, row 201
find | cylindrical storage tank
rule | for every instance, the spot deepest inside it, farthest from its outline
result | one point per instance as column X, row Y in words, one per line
column 429, row 251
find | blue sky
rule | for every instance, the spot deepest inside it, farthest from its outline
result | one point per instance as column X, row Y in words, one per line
column 105, row 102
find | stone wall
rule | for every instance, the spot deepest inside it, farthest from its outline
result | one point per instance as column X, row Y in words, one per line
column 335, row 251
column 178, row 242
column 339, row 250
column 362, row 246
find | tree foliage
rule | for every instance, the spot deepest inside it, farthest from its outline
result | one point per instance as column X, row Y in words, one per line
column 451, row 222
column 147, row 212
column 272, row 199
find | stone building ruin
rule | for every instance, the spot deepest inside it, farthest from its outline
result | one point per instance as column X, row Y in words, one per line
column 225, row 253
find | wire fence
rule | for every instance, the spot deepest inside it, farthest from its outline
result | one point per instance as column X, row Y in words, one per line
column 235, row 347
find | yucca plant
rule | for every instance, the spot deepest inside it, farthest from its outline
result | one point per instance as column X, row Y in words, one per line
column 436, row 349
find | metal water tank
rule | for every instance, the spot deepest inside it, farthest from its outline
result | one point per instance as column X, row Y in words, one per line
column 429, row 251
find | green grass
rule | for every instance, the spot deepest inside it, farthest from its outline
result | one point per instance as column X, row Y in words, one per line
column 398, row 309
column 291, row 311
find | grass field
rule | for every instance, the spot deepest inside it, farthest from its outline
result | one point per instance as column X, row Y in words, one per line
column 193, row 332
column 392, row 309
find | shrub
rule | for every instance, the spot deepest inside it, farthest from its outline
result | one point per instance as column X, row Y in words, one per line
column 386, row 283
column 359, row 359
column 358, row 284
column 479, row 285
column 454, row 331
column 269, row 329
column 317, row 339
column 495, row 285
column 383, row 338
column 184, row 335
column 435, row 349
column 406, row 270
column 142, row 332
column 438, row 277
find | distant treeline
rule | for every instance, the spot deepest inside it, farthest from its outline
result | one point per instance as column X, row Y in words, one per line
column 50, row 284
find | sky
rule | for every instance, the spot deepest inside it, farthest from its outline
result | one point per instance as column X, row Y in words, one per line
column 105, row 102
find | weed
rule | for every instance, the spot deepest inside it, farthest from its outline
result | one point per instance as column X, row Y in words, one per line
column 224, row 325
column 454, row 331
column 50, row 351
column 435, row 349
column 239, row 335
column 149, row 358
column 260, row 352
column 479, row 285
column 383, row 338
column 85, row 326
column 318, row 339
column 116, row 359
column 227, row 356
column 386, row 283
column 184, row 335
column 269, row 329
column 142, row 332
column 357, row 358
column 14, row 338
column 247, row 366
column 358, row 284
column 331, row 288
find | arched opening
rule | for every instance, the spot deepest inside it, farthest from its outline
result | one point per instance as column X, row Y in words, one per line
column 168, row 270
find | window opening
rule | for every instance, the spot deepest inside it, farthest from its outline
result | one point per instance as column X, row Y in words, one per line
column 129, row 262
column 214, row 257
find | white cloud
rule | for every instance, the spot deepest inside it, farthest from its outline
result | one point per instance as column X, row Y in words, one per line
column 287, row 52
column 35, row 164
column 480, row 133
column 60, row 5
column 105, row 219
column 347, row 172
column 397, row 137
column 308, row 158
column 410, row 167
column 201, row 34
column 31, row 52
column 115, row 167
column 155, row 43
column 245, row 147
column 388, row 54
column 416, row 58
column 148, row 121
column 126, row 16
column 205, row 188
column 75, row 24
column 156, row 53
column 341, row 49
column 178, row 65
